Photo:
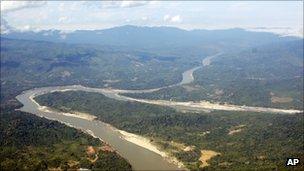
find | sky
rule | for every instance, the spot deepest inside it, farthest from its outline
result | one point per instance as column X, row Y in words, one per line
column 89, row 15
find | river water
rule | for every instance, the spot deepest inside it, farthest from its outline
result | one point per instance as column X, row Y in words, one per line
column 139, row 157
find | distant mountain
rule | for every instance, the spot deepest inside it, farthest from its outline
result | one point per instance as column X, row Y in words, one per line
column 267, row 75
column 26, row 64
column 5, row 27
column 284, row 59
column 155, row 37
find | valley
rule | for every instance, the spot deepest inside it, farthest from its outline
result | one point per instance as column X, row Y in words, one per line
column 193, row 105
column 28, row 99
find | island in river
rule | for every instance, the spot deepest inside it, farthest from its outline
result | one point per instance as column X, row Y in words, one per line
column 130, row 145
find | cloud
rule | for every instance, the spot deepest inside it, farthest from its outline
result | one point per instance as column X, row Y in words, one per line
column 166, row 17
column 239, row 7
column 5, row 27
column 61, row 6
column 11, row 6
column 70, row 6
column 176, row 19
column 144, row 18
column 172, row 19
column 27, row 27
column 116, row 4
column 128, row 4
column 7, row 6
column 62, row 19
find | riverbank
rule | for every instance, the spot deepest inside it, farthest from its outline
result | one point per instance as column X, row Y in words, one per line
column 146, row 143
column 130, row 137
column 75, row 114
column 206, row 105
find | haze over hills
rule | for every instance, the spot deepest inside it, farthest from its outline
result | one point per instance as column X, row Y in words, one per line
column 151, row 85
column 265, row 75
column 133, row 55
column 253, row 69
column 154, row 37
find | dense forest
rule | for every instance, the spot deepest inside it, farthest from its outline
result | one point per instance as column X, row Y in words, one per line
column 269, row 75
column 28, row 142
column 127, row 63
column 26, row 64
column 245, row 140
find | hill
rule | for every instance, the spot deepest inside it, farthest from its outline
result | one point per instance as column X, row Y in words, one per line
column 28, row 142
column 156, row 38
column 267, row 75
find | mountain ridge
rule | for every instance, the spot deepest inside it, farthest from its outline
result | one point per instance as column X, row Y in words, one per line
column 154, row 37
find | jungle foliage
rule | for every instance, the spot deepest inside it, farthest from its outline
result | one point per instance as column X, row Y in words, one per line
column 263, row 141
column 28, row 142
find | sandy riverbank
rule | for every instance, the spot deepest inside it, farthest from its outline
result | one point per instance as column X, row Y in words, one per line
column 133, row 138
column 146, row 143
column 207, row 155
column 75, row 114
column 206, row 105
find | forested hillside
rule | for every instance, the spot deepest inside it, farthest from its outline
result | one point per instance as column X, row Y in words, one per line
column 244, row 139
column 27, row 64
column 255, row 68
column 31, row 143
column 157, row 39
column 269, row 75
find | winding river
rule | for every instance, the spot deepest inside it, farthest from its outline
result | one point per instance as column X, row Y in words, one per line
column 139, row 157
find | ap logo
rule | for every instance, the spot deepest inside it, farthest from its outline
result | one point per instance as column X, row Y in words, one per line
column 292, row 161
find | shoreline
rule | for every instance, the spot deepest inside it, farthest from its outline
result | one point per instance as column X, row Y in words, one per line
column 130, row 137
column 202, row 105
column 138, row 140
column 49, row 110
column 206, row 105
column 146, row 143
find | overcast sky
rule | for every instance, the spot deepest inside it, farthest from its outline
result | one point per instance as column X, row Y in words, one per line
column 75, row 15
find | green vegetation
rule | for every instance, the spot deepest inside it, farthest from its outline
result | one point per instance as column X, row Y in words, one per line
column 269, row 76
column 31, row 143
column 28, row 142
column 245, row 140
column 28, row 64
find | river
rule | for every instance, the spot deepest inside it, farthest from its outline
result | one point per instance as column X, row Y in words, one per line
column 139, row 157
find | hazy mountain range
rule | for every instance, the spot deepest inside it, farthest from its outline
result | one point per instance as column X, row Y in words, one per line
column 254, row 69
column 153, row 37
